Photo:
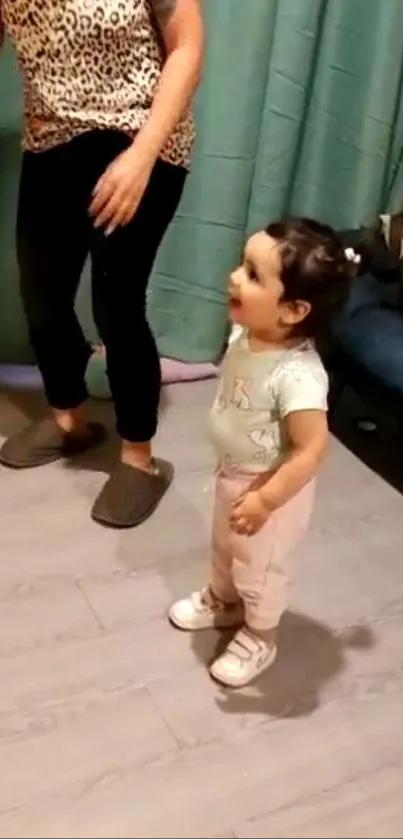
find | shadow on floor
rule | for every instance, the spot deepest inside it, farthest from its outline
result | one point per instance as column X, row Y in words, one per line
column 25, row 404
column 310, row 656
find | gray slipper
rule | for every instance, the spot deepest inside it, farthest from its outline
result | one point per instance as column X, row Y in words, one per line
column 131, row 495
column 45, row 442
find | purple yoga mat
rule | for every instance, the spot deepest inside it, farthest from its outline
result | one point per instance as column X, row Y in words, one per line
column 27, row 377
column 178, row 371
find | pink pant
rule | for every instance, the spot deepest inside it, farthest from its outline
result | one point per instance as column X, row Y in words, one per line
column 252, row 567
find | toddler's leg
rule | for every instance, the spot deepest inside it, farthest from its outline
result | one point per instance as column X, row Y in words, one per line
column 261, row 580
column 219, row 605
column 221, row 583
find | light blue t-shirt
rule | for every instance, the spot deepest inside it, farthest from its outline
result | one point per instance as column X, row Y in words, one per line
column 257, row 391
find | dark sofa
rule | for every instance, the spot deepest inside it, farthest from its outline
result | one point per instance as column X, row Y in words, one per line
column 366, row 350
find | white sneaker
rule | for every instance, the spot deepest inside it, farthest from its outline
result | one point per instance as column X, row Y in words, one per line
column 244, row 659
column 193, row 613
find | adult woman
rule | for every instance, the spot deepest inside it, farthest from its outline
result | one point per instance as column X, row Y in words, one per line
column 107, row 139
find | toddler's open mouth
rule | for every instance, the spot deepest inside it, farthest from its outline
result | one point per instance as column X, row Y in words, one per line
column 234, row 300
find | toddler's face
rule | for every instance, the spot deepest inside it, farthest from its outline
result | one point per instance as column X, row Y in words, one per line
column 255, row 290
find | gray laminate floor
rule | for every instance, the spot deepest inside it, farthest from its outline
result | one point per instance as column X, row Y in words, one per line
column 109, row 724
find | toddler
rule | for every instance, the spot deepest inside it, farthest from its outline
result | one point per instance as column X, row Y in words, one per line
column 269, row 428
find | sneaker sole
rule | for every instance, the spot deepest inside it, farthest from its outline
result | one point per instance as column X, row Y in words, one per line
column 19, row 467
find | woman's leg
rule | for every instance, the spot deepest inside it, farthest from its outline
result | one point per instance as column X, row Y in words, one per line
column 122, row 264
column 52, row 244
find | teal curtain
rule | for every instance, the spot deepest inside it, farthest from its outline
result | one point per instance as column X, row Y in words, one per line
column 13, row 334
column 300, row 110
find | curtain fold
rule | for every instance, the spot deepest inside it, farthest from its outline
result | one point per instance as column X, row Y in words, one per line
column 187, row 292
column 320, row 133
column 332, row 128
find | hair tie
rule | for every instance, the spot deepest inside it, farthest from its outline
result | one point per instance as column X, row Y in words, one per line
column 352, row 256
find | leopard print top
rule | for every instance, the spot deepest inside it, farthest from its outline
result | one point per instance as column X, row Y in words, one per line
column 89, row 64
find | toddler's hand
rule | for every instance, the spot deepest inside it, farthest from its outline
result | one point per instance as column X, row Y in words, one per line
column 249, row 514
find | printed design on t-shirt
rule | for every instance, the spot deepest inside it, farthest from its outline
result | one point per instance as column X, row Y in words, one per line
column 240, row 397
column 294, row 369
column 266, row 442
column 297, row 372
column 297, row 368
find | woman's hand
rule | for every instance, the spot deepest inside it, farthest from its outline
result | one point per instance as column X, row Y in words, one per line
column 249, row 514
column 119, row 191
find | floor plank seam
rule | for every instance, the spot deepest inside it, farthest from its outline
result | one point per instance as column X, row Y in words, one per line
column 182, row 746
column 88, row 603
column 329, row 788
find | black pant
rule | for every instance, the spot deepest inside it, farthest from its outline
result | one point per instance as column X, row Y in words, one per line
column 54, row 237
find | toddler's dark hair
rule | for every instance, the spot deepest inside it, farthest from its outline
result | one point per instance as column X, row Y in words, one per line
column 314, row 269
